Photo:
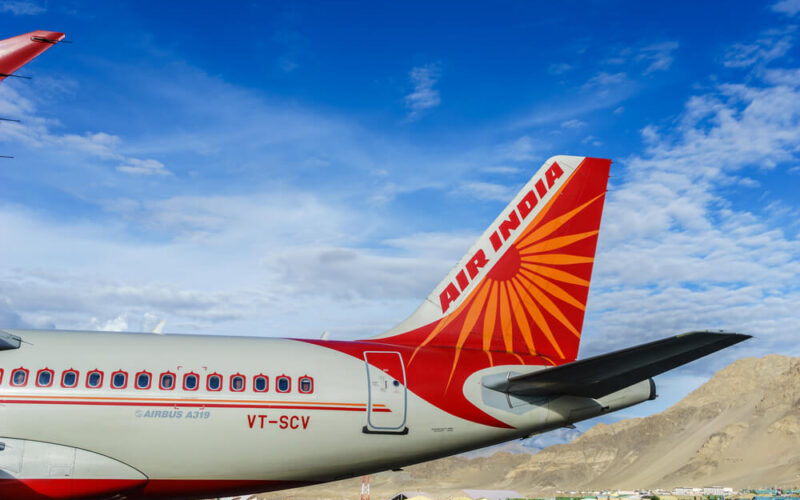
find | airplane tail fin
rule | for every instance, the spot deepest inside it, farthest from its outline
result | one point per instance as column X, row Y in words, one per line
column 16, row 51
column 522, row 287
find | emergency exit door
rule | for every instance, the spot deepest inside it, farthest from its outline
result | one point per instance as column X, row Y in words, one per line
column 386, row 382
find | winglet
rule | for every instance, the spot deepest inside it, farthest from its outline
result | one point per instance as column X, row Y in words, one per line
column 16, row 51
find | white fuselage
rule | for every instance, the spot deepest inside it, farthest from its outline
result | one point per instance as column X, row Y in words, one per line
column 356, row 419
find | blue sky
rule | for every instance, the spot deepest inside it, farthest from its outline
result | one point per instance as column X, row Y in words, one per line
column 288, row 168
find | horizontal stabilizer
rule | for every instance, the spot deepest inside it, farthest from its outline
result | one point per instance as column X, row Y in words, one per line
column 601, row 375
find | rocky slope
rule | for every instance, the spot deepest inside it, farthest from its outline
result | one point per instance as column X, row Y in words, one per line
column 741, row 428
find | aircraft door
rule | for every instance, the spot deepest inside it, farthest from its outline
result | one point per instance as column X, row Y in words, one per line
column 386, row 381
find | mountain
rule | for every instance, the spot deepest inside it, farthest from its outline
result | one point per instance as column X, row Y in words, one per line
column 741, row 428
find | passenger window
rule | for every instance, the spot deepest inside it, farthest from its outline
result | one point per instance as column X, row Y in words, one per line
column 94, row 379
column 284, row 384
column 143, row 380
column 214, row 382
column 44, row 378
column 190, row 382
column 119, row 380
column 69, row 379
column 306, row 384
column 260, row 383
column 167, row 381
column 19, row 377
column 237, row 383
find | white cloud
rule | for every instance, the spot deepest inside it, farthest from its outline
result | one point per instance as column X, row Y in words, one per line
column 136, row 166
column 522, row 149
column 21, row 7
column 602, row 90
column 424, row 96
column 773, row 44
column 502, row 169
column 603, row 80
column 573, row 124
column 590, row 139
column 40, row 133
column 659, row 56
column 788, row 7
column 676, row 253
column 486, row 191
column 558, row 68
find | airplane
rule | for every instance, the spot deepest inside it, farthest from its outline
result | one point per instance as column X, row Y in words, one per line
column 489, row 356
column 17, row 51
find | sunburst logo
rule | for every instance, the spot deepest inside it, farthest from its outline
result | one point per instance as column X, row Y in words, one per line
column 535, row 294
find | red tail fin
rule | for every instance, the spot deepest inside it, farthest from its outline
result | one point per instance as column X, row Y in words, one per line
column 523, row 286
column 16, row 51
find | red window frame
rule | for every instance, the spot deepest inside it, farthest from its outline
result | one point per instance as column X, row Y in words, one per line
column 1, row 375
column 278, row 383
column 113, row 374
column 149, row 380
column 161, row 381
column 27, row 376
column 300, row 384
column 77, row 378
column 244, row 382
column 89, row 375
column 196, row 386
column 208, row 382
column 52, row 376
column 266, row 379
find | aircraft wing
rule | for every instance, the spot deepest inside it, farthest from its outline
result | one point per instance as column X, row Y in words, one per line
column 8, row 341
column 601, row 375
column 16, row 51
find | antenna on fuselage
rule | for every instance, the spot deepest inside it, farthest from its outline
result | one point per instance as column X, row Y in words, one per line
column 325, row 335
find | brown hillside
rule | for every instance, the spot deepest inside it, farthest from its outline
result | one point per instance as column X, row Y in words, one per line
column 741, row 428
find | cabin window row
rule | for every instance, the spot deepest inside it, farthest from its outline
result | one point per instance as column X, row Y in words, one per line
column 166, row 381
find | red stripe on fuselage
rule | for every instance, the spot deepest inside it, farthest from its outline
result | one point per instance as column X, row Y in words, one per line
column 189, row 405
column 62, row 488
column 73, row 489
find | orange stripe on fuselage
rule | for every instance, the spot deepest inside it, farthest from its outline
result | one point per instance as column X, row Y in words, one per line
column 183, row 403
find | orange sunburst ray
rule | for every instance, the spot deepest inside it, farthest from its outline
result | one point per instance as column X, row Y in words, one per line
column 472, row 317
column 548, row 305
column 547, row 229
column 505, row 318
column 441, row 326
column 522, row 321
column 555, row 274
column 555, row 243
column 556, row 259
column 489, row 319
column 537, row 316
column 556, row 291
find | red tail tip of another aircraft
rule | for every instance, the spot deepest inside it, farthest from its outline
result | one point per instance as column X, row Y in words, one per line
column 17, row 51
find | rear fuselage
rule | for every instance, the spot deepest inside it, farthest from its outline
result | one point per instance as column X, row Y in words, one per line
column 317, row 403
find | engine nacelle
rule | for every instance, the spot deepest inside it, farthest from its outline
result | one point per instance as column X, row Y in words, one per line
column 570, row 409
column 32, row 469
